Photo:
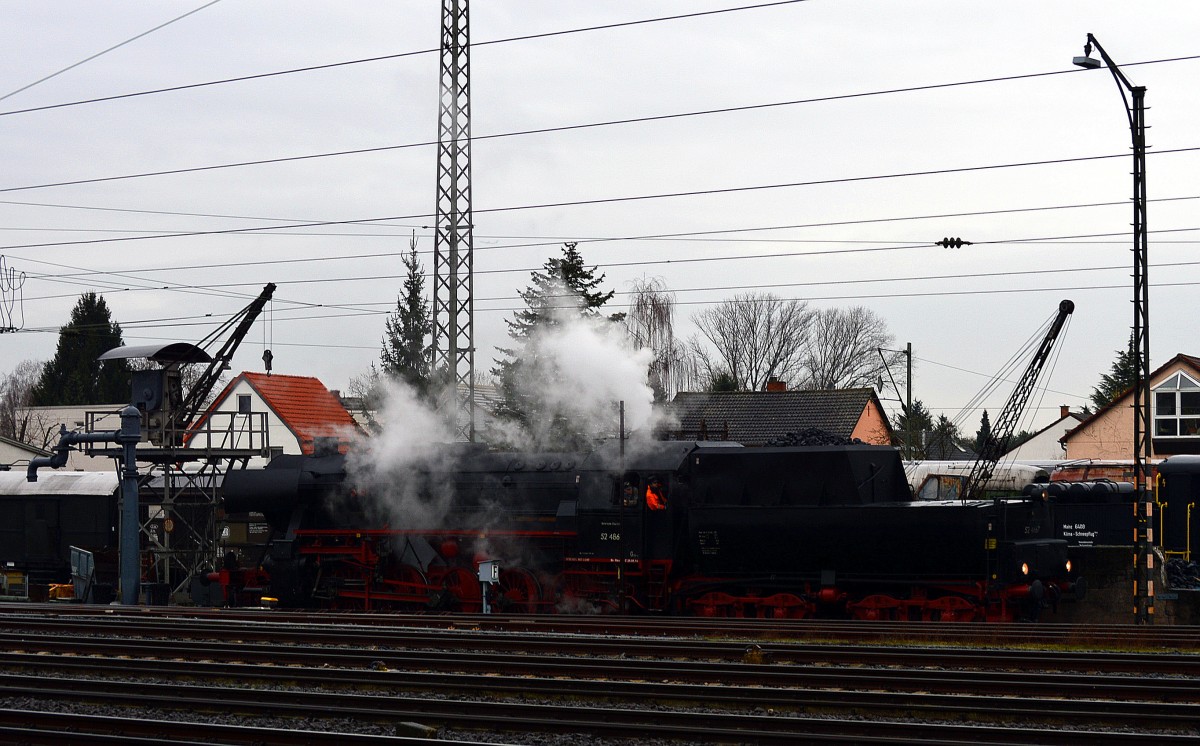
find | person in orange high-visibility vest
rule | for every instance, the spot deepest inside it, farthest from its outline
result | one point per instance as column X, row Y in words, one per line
column 656, row 496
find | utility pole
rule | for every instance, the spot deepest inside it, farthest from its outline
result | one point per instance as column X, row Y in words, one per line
column 908, row 444
column 1143, row 557
column 453, row 300
column 905, row 407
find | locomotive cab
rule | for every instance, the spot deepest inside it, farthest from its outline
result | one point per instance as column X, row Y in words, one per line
column 626, row 516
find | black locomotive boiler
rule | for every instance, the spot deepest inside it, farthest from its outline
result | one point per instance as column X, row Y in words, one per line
column 694, row 528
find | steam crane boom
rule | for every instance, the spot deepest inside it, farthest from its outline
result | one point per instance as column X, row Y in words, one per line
column 997, row 444
column 185, row 414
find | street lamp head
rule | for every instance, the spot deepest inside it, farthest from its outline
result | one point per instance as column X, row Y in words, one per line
column 1087, row 61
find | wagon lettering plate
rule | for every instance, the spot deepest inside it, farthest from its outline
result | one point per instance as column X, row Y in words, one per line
column 709, row 541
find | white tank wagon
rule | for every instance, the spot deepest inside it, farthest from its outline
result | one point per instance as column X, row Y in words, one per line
column 944, row 480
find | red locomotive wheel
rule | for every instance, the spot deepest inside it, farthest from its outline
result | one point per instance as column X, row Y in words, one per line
column 520, row 591
column 463, row 585
column 875, row 608
column 951, row 609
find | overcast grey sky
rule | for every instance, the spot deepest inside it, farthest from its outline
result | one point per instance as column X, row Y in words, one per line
column 854, row 240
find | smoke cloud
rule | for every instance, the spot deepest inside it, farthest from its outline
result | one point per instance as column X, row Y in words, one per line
column 394, row 468
column 573, row 373
column 582, row 368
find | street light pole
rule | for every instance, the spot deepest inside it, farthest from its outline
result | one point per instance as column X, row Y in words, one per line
column 1135, row 110
column 906, row 408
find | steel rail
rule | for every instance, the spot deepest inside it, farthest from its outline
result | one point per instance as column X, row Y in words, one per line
column 39, row 728
column 1097, row 636
column 517, row 717
column 644, row 647
column 340, row 662
column 1094, row 700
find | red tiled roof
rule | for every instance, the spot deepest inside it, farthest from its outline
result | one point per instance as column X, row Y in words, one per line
column 303, row 403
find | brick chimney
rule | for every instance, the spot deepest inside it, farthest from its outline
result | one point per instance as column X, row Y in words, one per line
column 774, row 384
column 1064, row 411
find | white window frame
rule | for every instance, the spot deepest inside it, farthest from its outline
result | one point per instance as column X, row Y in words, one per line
column 1177, row 424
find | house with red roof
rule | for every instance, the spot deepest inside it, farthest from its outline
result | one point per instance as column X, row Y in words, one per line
column 293, row 410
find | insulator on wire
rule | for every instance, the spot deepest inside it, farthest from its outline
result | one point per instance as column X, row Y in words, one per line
column 952, row 243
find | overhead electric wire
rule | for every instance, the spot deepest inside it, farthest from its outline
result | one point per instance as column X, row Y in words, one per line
column 535, row 131
column 554, row 241
column 593, row 239
column 317, row 345
column 968, row 371
column 649, row 262
column 605, row 200
column 205, row 320
column 1007, row 369
column 691, row 193
column 106, row 51
column 546, row 130
column 611, row 265
column 380, row 58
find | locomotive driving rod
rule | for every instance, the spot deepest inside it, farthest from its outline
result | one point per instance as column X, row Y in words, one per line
column 128, row 436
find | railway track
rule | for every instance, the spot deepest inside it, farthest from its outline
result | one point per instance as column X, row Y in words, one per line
column 1094, row 636
column 700, row 723
column 260, row 641
column 1064, row 698
column 493, row 684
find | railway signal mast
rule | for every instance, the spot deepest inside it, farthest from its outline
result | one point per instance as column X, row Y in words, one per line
column 453, row 301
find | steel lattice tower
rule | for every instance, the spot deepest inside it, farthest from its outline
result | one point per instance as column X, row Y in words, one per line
column 453, row 302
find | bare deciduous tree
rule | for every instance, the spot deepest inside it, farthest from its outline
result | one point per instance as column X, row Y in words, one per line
column 755, row 337
column 366, row 392
column 842, row 349
column 651, row 324
column 16, row 390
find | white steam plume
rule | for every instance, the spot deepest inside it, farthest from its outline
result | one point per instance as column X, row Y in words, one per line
column 393, row 465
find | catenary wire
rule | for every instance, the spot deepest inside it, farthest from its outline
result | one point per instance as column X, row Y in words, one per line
column 609, row 200
column 355, row 311
column 66, row 278
column 501, row 135
column 400, row 55
column 688, row 260
column 552, row 241
column 27, row 86
column 548, row 130
column 535, row 241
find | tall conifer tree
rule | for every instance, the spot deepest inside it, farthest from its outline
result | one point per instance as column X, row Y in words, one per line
column 407, row 350
column 74, row 376
column 1119, row 379
column 984, row 433
column 564, row 287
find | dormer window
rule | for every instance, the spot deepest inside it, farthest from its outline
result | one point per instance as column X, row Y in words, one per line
column 1177, row 408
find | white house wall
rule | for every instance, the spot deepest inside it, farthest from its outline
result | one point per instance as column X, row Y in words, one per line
column 1045, row 446
column 48, row 419
column 278, row 434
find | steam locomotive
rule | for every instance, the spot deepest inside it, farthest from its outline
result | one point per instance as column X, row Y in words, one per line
column 672, row 527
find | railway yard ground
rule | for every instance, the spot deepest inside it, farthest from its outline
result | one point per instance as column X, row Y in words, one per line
column 88, row 674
